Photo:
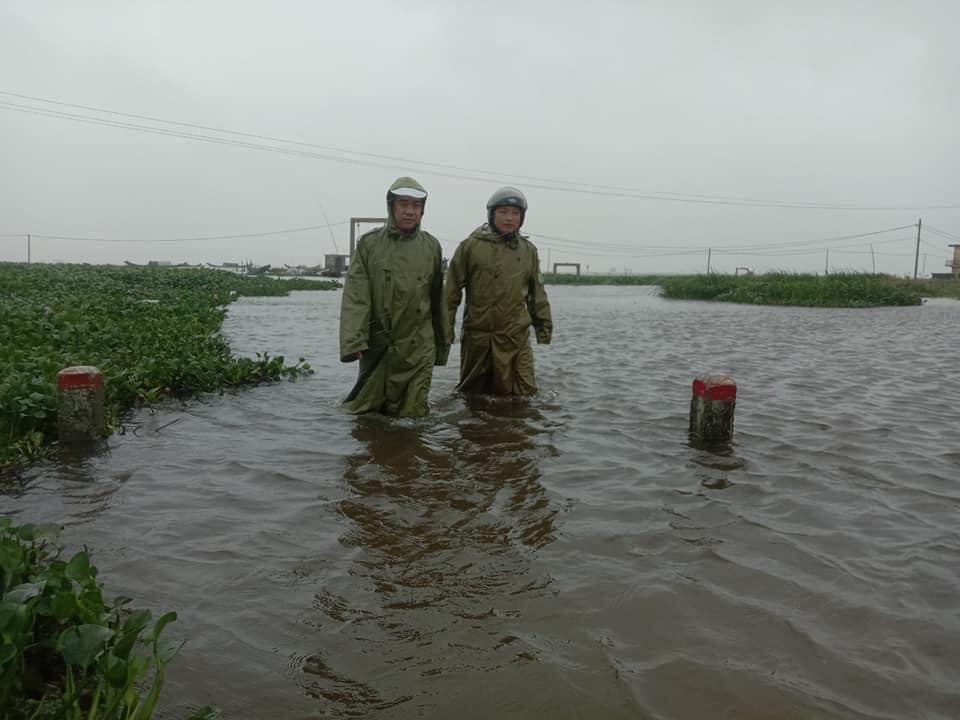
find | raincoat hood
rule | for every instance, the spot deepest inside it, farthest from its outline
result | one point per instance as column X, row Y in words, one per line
column 489, row 233
column 402, row 182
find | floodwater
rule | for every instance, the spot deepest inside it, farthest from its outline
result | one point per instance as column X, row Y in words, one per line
column 568, row 557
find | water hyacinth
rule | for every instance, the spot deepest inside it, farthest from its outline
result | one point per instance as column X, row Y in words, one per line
column 839, row 290
column 64, row 652
column 849, row 290
column 154, row 332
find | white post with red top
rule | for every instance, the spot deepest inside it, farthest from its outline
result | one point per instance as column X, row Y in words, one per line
column 80, row 415
column 712, row 407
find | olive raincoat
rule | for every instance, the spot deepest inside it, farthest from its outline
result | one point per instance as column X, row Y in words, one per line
column 392, row 313
column 505, row 296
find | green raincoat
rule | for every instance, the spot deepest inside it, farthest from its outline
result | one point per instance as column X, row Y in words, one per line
column 505, row 296
column 392, row 312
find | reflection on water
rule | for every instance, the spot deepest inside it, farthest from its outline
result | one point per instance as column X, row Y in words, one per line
column 569, row 556
column 444, row 521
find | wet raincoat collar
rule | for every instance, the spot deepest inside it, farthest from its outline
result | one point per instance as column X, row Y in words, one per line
column 485, row 232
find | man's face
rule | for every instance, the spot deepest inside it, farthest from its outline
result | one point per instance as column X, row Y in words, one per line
column 507, row 219
column 407, row 212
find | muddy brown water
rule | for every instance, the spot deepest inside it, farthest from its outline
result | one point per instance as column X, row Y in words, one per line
column 568, row 557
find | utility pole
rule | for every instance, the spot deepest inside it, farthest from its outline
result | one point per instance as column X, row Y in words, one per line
column 354, row 223
column 826, row 265
column 709, row 252
column 28, row 248
column 874, row 258
column 916, row 260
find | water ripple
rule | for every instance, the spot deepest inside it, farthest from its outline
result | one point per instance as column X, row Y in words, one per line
column 572, row 555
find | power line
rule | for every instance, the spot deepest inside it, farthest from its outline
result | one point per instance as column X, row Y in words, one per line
column 731, row 248
column 821, row 241
column 188, row 239
column 442, row 170
column 929, row 244
column 942, row 233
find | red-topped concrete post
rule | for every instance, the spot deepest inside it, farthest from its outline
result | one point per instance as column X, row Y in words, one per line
column 80, row 404
column 711, row 408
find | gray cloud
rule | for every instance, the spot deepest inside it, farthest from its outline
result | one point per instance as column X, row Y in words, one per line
column 814, row 103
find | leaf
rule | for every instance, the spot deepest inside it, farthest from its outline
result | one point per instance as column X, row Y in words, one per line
column 63, row 605
column 166, row 650
column 8, row 612
column 161, row 623
column 116, row 671
column 136, row 622
column 207, row 712
column 79, row 567
column 82, row 644
column 48, row 531
column 130, row 632
column 25, row 591
column 8, row 651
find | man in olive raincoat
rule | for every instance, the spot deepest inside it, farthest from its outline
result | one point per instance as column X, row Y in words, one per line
column 500, row 270
column 391, row 313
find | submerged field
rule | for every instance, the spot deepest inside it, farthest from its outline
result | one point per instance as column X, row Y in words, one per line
column 154, row 332
column 836, row 290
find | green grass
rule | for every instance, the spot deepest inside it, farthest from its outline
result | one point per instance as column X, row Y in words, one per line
column 836, row 290
column 931, row 288
column 154, row 332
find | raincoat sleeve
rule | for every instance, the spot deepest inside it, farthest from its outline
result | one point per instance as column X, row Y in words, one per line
column 438, row 311
column 538, row 304
column 355, row 309
column 453, row 289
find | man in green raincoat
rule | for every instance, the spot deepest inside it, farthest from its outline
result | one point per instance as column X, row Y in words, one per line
column 500, row 270
column 391, row 313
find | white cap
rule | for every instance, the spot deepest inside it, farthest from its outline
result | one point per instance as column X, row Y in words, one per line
column 409, row 192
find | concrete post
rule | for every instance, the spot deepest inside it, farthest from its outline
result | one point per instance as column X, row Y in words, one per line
column 711, row 408
column 80, row 404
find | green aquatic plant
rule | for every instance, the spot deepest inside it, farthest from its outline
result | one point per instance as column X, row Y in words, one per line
column 571, row 279
column 780, row 288
column 839, row 290
column 153, row 332
column 64, row 652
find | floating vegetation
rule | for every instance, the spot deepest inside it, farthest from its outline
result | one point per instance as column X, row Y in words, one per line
column 153, row 332
column 64, row 652
column 571, row 279
column 835, row 290
column 839, row 290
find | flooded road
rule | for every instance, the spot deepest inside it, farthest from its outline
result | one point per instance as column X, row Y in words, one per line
column 567, row 557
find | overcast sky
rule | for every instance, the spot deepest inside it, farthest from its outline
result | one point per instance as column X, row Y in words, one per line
column 611, row 116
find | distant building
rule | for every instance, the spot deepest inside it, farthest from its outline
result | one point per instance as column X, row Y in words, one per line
column 334, row 265
column 954, row 266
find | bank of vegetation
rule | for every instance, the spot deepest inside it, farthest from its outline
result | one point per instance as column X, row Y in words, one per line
column 840, row 290
column 571, row 279
column 153, row 332
column 66, row 653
